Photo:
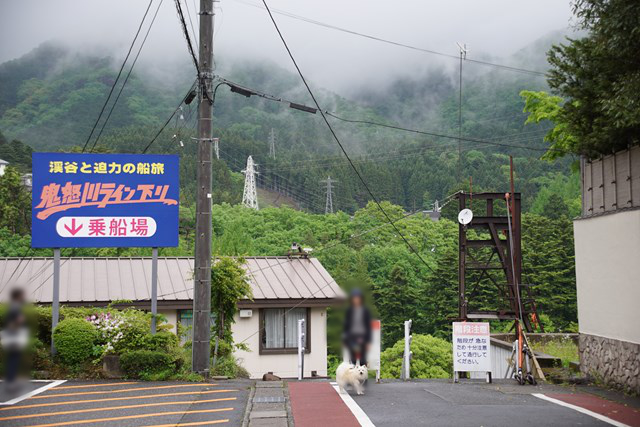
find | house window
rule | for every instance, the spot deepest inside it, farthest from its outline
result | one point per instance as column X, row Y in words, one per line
column 279, row 332
column 185, row 318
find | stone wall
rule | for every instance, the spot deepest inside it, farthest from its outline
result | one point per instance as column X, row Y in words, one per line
column 614, row 362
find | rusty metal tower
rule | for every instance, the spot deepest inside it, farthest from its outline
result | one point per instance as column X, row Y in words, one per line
column 489, row 283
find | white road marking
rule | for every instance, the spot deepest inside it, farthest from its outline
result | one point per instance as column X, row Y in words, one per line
column 580, row 409
column 33, row 392
column 357, row 412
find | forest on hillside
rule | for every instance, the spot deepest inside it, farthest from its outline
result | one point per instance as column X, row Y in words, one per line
column 55, row 95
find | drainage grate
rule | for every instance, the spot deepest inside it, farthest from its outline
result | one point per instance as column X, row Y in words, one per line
column 269, row 399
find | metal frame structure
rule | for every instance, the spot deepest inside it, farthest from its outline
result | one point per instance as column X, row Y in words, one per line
column 474, row 257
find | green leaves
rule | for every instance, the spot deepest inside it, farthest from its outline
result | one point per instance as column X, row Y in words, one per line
column 432, row 358
column 599, row 77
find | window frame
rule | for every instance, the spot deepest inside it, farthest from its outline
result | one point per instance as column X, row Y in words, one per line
column 282, row 350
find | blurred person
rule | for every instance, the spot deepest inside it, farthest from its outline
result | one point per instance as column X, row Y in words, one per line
column 14, row 338
column 357, row 329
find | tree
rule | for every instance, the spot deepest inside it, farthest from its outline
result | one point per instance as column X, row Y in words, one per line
column 599, row 78
column 541, row 107
column 397, row 301
column 548, row 265
column 228, row 285
column 556, row 208
column 15, row 200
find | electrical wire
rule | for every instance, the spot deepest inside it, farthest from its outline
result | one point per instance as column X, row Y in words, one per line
column 168, row 121
column 394, row 43
column 113, row 106
column 195, row 34
column 185, row 31
column 113, row 86
column 335, row 136
column 440, row 135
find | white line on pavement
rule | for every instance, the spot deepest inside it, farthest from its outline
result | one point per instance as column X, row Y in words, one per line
column 33, row 392
column 357, row 412
column 580, row 409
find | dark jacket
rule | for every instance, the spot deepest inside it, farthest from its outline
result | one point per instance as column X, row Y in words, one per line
column 347, row 335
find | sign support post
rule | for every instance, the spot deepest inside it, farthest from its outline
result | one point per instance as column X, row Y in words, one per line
column 301, row 345
column 55, row 304
column 154, row 290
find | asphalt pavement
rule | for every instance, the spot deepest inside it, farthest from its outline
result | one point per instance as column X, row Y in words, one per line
column 443, row 403
column 131, row 404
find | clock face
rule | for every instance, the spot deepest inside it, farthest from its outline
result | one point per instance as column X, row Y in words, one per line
column 465, row 216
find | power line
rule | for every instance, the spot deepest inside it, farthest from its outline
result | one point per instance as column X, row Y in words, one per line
column 335, row 136
column 439, row 135
column 195, row 34
column 185, row 31
column 394, row 43
column 168, row 120
column 113, row 106
column 113, row 86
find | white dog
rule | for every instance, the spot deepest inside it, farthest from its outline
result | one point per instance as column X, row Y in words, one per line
column 355, row 376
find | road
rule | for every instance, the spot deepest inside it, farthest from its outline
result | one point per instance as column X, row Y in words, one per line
column 442, row 403
column 131, row 404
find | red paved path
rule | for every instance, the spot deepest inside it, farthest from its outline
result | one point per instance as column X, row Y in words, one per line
column 318, row 404
column 615, row 411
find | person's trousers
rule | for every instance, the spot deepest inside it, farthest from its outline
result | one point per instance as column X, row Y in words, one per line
column 12, row 364
column 357, row 351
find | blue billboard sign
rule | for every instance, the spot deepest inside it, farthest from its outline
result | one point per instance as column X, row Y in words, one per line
column 104, row 200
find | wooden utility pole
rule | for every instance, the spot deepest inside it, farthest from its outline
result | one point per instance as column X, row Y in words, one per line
column 202, row 267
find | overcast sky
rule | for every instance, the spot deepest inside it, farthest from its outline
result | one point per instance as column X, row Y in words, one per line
column 491, row 28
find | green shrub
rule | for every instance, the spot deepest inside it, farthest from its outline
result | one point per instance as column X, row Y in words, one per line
column 148, row 365
column 135, row 328
column 74, row 340
column 228, row 366
column 432, row 358
column 162, row 341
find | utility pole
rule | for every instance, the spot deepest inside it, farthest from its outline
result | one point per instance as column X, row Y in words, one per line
column 202, row 267
column 250, row 194
column 272, row 144
column 328, row 206
column 463, row 56
column 216, row 147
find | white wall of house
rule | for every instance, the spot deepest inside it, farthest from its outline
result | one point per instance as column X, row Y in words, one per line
column 282, row 365
column 172, row 318
column 608, row 275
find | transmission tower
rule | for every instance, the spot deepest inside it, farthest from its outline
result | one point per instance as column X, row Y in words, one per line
column 216, row 147
column 272, row 144
column 328, row 207
column 250, row 195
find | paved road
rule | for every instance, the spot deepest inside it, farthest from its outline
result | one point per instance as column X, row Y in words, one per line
column 442, row 403
column 120, row 403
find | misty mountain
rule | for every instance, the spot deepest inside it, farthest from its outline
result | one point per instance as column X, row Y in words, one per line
column 56, row 93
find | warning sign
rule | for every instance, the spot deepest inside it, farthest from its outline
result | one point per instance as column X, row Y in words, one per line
column 471, row 347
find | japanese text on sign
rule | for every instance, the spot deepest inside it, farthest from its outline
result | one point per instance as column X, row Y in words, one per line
column 115, row 168
column 471, row 347
column 56, row 198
